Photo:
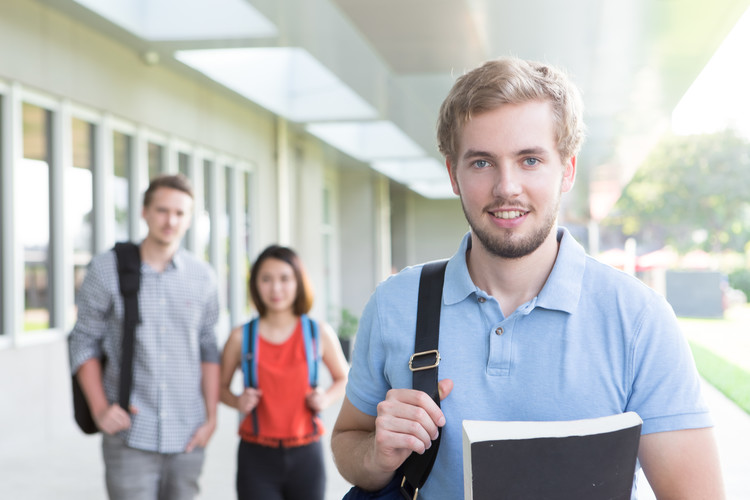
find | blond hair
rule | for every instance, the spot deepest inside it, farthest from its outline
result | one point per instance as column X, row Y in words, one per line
column 511, row 80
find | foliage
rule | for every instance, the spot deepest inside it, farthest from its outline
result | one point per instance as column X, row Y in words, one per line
column 348, row 324
column 729, row 378
column 691, row 192
column 740, row 280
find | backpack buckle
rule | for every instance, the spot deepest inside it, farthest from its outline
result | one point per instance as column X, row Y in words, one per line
column 419, row 365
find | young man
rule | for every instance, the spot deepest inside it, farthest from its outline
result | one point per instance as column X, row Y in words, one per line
column 154, row 449
column 531, row 327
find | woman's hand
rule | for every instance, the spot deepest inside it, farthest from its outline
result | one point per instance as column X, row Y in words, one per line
column 316, row 400
column 249, row 399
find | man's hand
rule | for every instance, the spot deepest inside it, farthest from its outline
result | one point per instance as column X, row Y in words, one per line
column 408, row 420
column 202, row 435
column 113, row 419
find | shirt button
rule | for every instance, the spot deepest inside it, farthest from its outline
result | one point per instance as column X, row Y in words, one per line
column 482, row 300
column 499, row 330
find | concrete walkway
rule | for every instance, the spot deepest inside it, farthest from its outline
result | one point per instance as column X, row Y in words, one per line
column 68, row 467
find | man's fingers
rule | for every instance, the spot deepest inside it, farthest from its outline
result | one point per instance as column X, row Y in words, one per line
column 445, row 387
column 419, row 399
column 398, row 432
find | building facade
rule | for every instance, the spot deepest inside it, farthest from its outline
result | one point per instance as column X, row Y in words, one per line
column 85, row 122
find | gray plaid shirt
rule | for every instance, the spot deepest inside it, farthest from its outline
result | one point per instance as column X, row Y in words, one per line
column 179, row 309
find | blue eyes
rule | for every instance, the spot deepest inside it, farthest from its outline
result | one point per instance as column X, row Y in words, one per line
column 529, row 162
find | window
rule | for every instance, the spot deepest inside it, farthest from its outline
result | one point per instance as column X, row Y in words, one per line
column 156, row 164
column 183, row 167
column 32, row 204
column 81, row 199
column 203, row 220
column 121, row 184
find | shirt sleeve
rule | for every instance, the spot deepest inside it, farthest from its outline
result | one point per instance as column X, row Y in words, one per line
column 209, row 350
column 367, row 384
column 94, row 306
column 666, row 390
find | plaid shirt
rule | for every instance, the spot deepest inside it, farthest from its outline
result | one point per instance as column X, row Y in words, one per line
column 178, row 309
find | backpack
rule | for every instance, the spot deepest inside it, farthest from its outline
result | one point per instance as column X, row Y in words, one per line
column 129, row 275
column 310, row 333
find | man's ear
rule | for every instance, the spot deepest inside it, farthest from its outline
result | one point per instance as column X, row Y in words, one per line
column 569, row 175
column 454, row 182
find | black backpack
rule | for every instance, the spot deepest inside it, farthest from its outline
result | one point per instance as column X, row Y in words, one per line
column 129, row 274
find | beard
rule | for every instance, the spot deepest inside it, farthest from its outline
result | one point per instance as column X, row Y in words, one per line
column 510, row 245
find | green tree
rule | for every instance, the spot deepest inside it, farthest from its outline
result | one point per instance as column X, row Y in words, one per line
column 691, row 192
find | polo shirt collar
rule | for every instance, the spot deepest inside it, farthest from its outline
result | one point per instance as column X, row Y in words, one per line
column 561, row 291
column 458, row 284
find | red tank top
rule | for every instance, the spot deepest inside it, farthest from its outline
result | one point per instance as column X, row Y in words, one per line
column 282, row 414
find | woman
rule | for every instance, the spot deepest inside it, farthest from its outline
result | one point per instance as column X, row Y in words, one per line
column 280, row 455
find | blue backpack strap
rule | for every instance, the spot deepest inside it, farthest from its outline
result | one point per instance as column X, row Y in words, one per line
column 312, row 348
column 249, row 364
column 249, row 350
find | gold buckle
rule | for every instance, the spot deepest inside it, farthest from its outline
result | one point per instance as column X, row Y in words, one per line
column 434, row 352
column 403, row 480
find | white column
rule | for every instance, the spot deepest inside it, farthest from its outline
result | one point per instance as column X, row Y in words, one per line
column 283, row 183
column 61, row 232
column 104, row 205
column 12, row 256
column 382, row 228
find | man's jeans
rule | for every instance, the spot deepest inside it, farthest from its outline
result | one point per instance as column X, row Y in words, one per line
column 133, row 474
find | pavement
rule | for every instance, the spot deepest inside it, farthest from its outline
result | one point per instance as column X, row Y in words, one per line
column 68, row 466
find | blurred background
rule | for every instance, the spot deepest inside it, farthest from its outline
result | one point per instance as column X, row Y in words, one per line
column 311, row 123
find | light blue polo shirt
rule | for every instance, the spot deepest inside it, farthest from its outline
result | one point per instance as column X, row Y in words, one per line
column 594, row 342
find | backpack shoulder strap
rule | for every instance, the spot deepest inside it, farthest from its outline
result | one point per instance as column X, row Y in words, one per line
column 129, row 275
column 249, row 361
column 424, row 367
column 311, row 334
column 249, row 351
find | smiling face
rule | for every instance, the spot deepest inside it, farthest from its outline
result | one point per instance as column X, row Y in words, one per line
column 509, row 175
column 167, row 216
column 277, row 285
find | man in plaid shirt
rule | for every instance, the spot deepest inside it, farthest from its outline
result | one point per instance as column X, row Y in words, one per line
column 155, row 448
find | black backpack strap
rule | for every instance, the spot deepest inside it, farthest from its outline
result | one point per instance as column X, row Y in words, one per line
column 129, row 273
column 424, row 367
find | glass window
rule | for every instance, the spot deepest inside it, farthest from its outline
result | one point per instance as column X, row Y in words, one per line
column 155, row 160
column 203, row 220
column 33, row 195
column 121, row 184
column 183, row 165
column 80, row 193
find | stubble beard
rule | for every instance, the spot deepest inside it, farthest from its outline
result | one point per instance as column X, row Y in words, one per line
column 507, row 246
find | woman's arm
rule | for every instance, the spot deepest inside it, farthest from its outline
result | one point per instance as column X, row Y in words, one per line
column 333, row 358
column 230, row 361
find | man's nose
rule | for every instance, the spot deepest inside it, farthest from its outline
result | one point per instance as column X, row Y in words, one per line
column 507, row 183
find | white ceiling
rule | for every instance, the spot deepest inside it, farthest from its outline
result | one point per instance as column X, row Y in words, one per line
column 396, row 59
